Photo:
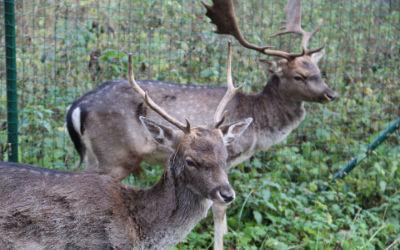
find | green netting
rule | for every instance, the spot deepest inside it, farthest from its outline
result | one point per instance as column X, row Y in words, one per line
column 67, row 47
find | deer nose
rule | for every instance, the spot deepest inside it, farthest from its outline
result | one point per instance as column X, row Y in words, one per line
column 227, row 197
column 227, row 193
column 332, row 96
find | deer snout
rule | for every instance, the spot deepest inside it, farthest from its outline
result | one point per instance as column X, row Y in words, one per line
column 223, row 194
column 227, row 196
column 328, row 95
column 331, row 95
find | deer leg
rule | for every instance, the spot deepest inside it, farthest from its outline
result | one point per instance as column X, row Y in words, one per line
column 91, row 161
column 220, row 226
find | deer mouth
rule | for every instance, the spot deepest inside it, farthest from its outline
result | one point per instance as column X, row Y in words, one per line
column 326, row 98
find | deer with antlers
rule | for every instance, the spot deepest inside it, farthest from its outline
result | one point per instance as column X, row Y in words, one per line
column 105, row 132
column 49, row 209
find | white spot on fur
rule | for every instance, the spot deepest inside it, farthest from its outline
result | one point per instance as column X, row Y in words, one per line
column 76, row 120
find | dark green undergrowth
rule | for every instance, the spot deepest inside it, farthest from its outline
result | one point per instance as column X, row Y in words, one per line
column 66, row 48
column 278, row 206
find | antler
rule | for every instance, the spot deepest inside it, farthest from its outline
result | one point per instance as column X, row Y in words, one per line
column 222, row 14
column 293, row 25
column 152, row 104
column 231, row 91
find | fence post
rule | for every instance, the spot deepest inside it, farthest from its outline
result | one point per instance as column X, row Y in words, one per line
column 11, row 70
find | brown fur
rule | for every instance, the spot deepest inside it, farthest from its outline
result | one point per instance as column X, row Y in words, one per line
column 117, row 139
column 112, row 128
column 49, row 209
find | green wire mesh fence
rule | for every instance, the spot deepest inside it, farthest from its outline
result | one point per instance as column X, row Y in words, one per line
column 65, row 48
column 68, row 47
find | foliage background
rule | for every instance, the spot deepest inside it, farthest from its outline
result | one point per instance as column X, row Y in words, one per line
column 67, row 47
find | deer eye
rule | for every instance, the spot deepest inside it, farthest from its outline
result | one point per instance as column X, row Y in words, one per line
column 298, row 78
column 191, row 163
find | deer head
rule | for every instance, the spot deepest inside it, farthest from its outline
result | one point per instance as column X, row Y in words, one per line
column 299, row 74
column 200, row 154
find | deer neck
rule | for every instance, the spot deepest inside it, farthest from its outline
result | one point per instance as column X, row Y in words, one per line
column 277, row 114
column 168, row 211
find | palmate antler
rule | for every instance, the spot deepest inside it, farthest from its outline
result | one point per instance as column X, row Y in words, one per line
column 222, row 14
column 293, row 25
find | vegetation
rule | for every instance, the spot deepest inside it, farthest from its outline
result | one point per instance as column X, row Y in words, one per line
column 66, row 48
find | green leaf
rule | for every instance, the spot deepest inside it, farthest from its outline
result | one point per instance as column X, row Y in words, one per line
column 382, row 185
column 266, row 194
column 205, row 73
column 258, row 217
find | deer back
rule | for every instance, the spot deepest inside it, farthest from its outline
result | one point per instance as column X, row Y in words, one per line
column 42, row 208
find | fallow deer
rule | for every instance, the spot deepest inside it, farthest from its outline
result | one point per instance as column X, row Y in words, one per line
column 105, row 131
column 48, row 209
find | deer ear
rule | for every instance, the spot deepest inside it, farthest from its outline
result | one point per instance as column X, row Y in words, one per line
column 271, row 67
column 163, row 135
column 233, row 131
column 316, row 57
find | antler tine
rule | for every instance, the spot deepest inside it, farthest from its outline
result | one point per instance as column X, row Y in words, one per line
column 293, row 25
column 231, row 91
column 311, row 51
column 151, row 103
